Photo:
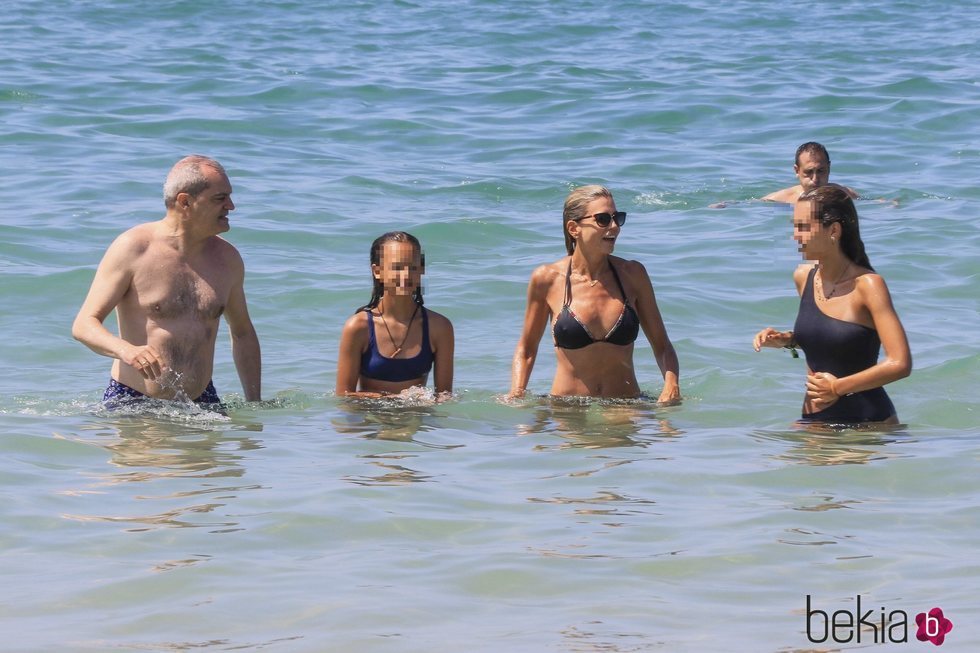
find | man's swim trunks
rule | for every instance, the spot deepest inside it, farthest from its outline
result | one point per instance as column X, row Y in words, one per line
column 119, row 394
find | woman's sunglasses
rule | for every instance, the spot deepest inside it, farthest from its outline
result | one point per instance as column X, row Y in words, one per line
column 603, row 219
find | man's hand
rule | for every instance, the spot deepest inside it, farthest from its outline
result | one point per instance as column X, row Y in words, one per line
column 146, row 360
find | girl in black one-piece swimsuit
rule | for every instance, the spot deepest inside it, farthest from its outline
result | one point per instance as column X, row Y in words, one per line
column 845, row 377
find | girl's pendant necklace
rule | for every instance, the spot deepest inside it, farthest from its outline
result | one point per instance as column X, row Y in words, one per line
column 398, row 348
column 834, row 289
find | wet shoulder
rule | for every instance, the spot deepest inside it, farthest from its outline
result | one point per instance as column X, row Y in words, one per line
column 356, row 326
column 438, row 320
column 136, row 240
column 800, row 275
column 544, row 276
column 785, row 195
column 870, row 285
column 633, row 275
column 439, row 325
column 225, row 250
column 629, row 267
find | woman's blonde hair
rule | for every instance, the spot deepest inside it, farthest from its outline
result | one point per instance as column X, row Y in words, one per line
column 575, row 205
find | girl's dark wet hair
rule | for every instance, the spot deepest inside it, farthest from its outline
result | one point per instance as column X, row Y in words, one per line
column 376, row 247
column 831, row 203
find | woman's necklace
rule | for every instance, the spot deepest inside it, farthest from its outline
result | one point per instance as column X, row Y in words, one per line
column 591, row 282
column 408, row 329
column 836, row 283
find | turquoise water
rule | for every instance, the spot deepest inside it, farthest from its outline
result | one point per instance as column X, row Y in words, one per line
column 306, row 524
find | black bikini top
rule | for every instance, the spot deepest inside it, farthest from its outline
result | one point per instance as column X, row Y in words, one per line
column 570, row 333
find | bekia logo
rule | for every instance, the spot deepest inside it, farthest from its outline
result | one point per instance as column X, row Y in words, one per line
column 932, row 626
column 883, row 626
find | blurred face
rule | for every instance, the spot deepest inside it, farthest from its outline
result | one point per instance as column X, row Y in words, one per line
column 211, row 206
column 808, row 232
column 590, row 233
column 400, row 270
column 813, row 170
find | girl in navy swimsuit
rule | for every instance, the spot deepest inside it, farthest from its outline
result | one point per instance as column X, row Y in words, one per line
column 596, row 304
column 392, row 342
column 845, row 316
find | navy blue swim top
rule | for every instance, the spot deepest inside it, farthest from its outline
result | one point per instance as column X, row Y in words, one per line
column 570, row 333
column 381, row 368
column 841, row 348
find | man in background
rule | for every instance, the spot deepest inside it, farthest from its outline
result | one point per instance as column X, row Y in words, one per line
column 812, row 168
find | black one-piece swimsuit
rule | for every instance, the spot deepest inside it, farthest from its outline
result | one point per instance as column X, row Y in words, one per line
column 841, row 348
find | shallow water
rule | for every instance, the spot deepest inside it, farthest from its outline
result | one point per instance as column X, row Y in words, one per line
column 308, row 524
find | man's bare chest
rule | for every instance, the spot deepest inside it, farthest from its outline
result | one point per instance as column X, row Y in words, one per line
column 175, row 289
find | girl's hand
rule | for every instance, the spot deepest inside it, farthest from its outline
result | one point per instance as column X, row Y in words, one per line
column 770, row 337
column 670, row 395
column 821, row 389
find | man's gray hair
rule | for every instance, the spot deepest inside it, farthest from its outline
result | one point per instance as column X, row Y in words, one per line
column 188, row 177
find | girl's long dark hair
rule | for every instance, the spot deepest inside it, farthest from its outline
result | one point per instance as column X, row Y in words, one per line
column 832, row 203
column 376, row 247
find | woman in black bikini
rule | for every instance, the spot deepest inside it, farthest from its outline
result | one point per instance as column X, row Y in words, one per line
column 599, row 302
column 845, row 317
column 391, row 344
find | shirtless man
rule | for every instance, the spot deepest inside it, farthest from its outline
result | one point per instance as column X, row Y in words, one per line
column 812, row 168
column 169, row 282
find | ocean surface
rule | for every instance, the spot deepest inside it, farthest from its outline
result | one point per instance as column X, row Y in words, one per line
column 310, row 524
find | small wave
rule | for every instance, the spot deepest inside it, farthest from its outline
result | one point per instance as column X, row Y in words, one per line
column 416, row 396
column 171, row 410
column 659, row 199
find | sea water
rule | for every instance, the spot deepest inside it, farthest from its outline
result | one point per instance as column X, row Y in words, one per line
column 306, row 523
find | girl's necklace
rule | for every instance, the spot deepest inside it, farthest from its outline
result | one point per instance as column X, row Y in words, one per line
column 408, row 329
column 836, row 283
